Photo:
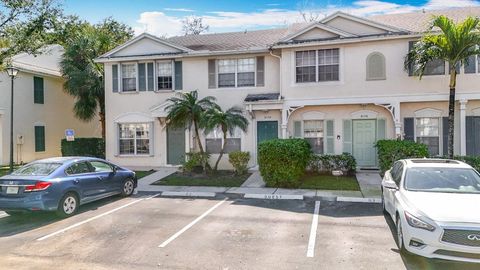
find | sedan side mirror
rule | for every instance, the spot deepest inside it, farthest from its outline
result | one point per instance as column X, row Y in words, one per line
column 389, row 184
column 114, row 170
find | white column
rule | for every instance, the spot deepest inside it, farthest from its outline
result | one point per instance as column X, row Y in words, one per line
column 284, row 123
column 463, row 128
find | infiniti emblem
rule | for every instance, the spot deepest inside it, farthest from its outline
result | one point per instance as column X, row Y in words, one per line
column 474, row 237
column 11, row 183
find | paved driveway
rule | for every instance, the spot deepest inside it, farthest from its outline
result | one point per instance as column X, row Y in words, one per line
column 145, row 232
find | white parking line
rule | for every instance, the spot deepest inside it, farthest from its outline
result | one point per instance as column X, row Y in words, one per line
column 313, row 231
column 94, row 218
column 164, row 244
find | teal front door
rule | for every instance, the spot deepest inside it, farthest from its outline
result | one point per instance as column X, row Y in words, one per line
column 364, row 138
column 175, row 146
column 266, row 130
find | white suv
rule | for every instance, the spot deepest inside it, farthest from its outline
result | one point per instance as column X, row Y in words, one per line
column 435, row 205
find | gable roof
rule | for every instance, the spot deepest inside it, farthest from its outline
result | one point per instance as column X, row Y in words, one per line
column 317, row 25
column 340, row 14
column 418, row 22
column 47, row 62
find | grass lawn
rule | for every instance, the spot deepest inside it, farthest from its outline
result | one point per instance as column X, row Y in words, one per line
column 221, row 179
column 141, row 174
column 329, row 182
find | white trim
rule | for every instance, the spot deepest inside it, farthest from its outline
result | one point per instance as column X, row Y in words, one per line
column 140, row 37
column 133, row 117
column 476, row 112
column 428, row 113
column 361, row 21
column 313, row 115
column 317, row 25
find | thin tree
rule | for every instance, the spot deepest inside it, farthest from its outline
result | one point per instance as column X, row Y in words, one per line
column 83, row 77
column 186, row 110
column 307, row 10
column 227, row 122
column 194, row 25
column 453, row 43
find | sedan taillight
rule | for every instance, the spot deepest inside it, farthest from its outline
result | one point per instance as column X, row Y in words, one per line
column 39, row 186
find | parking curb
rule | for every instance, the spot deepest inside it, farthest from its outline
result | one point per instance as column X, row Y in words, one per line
column 273, row 196
column 189, row 194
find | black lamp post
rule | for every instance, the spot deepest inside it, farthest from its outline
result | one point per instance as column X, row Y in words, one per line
column 12, row 72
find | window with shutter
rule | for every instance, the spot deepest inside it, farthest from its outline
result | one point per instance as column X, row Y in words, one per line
column 38, row 90
column 178, row 75
column 115, row 78
column 39, row 138
column 142, row 77
column 376, row 66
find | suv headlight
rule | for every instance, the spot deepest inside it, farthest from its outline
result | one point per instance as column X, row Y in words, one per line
column 418, row 223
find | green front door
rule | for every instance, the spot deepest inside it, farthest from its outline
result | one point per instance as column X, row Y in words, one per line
column 364, row 138
column 266, row 130
column 175, row 146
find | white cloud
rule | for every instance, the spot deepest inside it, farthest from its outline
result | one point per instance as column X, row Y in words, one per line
column 179, row 9
column 159, row 23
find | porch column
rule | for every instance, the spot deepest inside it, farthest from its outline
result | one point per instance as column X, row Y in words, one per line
column 284, row 123
column 463, row 133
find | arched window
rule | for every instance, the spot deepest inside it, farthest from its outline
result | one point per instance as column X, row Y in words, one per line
column 376, row 66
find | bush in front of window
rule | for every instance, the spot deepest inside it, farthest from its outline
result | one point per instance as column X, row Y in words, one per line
column 390, row 151
column 196, row 162
column 86, row 147
column 325, row 164
column 283, row 161
column 239, row 161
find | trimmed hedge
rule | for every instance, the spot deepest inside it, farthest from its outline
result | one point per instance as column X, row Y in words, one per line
column 473, row 161
column 239, row 161
column 88, row 147
column 325, row 164
column 390, row 151
column 283, row 161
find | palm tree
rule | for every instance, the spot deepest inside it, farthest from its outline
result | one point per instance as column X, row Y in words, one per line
column 186, row 110
column 226, row 121
column 453, row 43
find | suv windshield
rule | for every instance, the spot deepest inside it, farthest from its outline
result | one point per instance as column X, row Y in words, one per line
column 451, row 180
column 37, row 169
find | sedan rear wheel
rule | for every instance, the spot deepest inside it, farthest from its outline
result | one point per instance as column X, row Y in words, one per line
column 68, row 205
column 128, row 187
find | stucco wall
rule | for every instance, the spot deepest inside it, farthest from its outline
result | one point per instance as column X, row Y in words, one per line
column 56, row 114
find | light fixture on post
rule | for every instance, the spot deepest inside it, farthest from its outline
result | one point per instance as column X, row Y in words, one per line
column 12, row 72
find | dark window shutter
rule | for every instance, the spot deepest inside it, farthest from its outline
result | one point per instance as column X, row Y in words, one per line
column 410, row 65
column 409, row 128
column 445, row 135
column 38, row 90
column 178, row 75
column 212, row 74
column 473, row 135
column 39, row 138
column 260, row 70
column 150, row 77
column 297, row 129
column 142, row 77
column 115, row 78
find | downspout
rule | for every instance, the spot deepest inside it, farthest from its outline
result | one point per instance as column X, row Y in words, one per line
column 284, row 111
column 280, row 75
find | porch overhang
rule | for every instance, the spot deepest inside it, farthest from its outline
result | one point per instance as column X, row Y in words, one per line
column 158, row 111
column 262, row 102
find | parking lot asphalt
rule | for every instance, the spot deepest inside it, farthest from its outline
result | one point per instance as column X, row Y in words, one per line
column 146, row 232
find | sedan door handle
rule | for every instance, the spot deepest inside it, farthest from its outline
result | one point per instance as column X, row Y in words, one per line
column 100, row 177
column 76, row 181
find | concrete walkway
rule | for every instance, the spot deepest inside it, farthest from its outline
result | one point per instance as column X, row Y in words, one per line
column 370, row 184
column 254, row 181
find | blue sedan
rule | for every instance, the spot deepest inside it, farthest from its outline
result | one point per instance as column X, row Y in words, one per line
column 63, row 184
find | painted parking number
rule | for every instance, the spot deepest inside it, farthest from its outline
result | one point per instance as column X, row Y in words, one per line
column 272, row 196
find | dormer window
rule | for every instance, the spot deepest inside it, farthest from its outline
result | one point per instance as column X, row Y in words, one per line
column 129, row 77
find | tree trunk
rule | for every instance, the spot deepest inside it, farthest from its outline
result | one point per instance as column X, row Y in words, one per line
column 199, row 141
column 102, row 123
column 221, row 151
column 451, row 111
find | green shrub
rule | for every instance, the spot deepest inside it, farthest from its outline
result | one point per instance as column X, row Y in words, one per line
column 239, row 161
column 390, row 151
column 195, row 161
column 88, row 147
column 325, row 164
column 473, row 161
column 283, row 161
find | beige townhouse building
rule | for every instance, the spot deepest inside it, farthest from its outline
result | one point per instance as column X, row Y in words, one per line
column 340, row 83
column 42, row 110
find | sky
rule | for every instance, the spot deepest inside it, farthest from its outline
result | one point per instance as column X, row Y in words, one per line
column 164, row 17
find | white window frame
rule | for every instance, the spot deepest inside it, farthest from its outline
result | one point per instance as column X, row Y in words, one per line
column 120, row 76
column 217, row 73
column 440, row 131
column 150, row 139
column 146, row 75
column 294, row 82
column 220, row 136
column 324, row 128
column 155, row 72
